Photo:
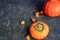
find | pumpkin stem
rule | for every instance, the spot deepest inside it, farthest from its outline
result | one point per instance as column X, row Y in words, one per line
column 39, row 27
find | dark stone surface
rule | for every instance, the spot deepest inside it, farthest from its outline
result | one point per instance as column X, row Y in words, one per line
column 13, row 11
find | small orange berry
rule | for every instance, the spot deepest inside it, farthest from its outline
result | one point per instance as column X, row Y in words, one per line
column 41, row 12
column 33, row 19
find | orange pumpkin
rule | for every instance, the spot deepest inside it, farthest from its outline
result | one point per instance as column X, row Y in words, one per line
column 39, row 30
column 52, row 8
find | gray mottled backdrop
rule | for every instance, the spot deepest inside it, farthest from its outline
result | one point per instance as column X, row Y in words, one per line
column 13, row 11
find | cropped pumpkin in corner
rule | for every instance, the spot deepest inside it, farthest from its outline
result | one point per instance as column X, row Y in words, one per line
column 52, row 8
column 39, row 30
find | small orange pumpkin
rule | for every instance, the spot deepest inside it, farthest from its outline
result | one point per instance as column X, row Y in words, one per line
column 39, row 30
column 52, row 8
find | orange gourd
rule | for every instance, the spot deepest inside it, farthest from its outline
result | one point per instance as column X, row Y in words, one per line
column 52, row 8
column 39, row 30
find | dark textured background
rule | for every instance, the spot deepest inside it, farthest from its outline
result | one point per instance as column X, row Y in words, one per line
column 13, row 11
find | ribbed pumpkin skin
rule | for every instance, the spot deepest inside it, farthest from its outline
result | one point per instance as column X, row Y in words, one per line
column 39, row 34
column 52, row 8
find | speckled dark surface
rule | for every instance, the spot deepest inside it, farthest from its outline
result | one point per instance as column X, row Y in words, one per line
column 13, row 11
